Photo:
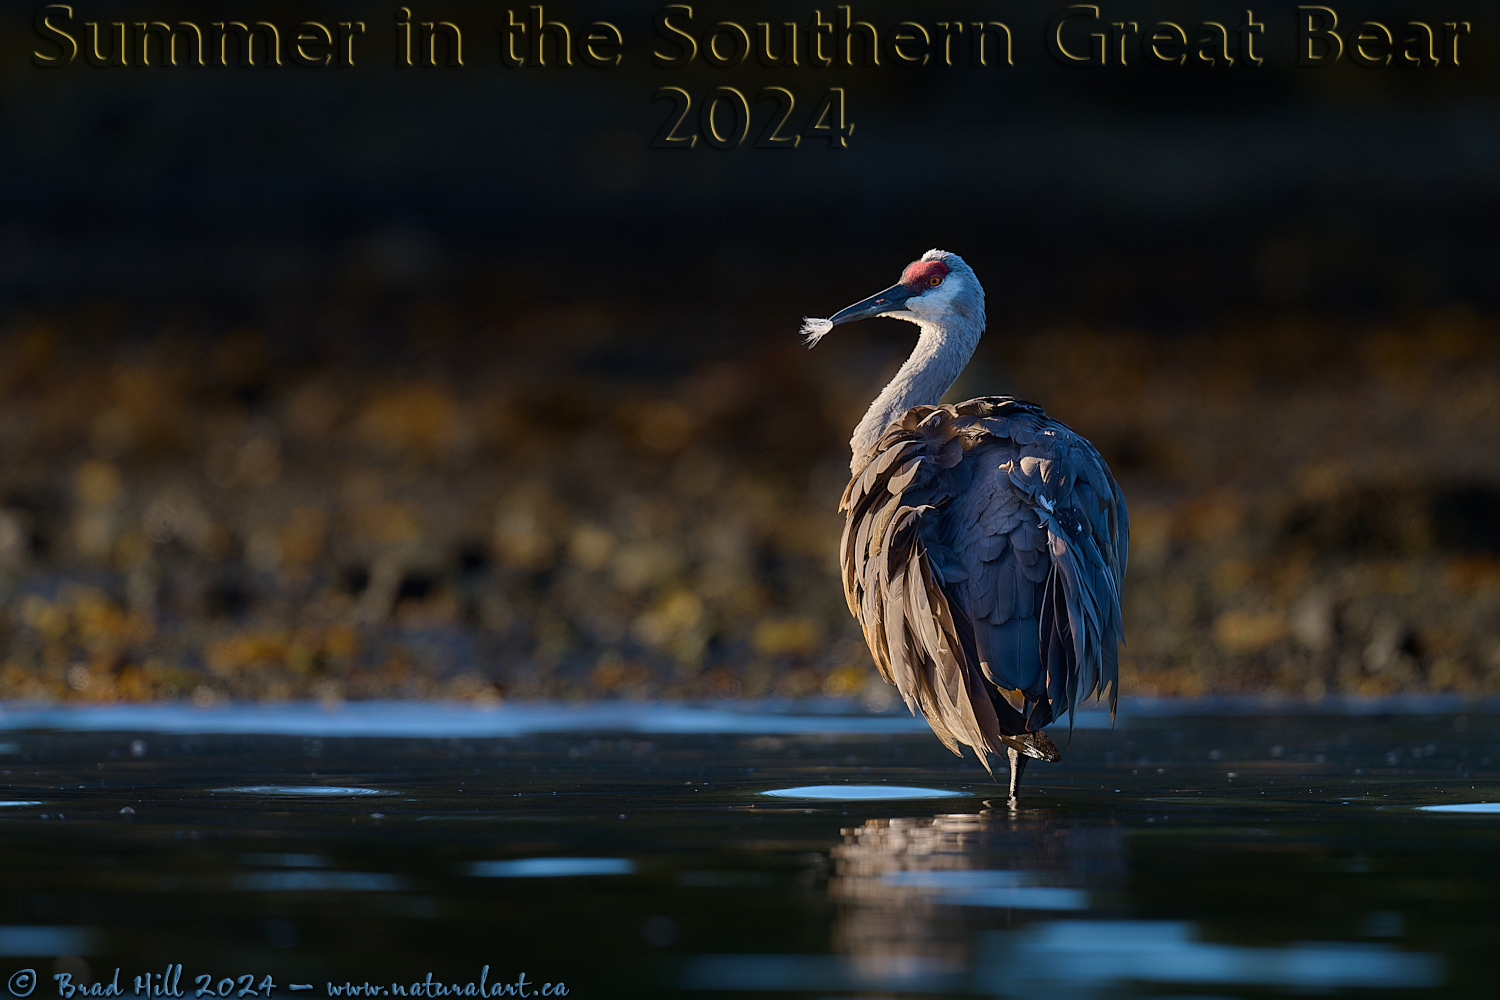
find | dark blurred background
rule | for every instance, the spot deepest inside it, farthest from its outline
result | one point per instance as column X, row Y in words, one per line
column 374, row 381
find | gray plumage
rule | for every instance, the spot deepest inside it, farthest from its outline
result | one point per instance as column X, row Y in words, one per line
column 983, row 555
column 985, row 544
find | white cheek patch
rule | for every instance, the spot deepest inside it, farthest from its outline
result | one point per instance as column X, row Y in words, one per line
column 813, row 329
column 935, row 300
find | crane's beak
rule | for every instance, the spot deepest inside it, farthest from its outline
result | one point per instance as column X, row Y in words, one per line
column 880, row 304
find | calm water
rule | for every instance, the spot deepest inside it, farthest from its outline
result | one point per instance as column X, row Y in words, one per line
column 669, row 851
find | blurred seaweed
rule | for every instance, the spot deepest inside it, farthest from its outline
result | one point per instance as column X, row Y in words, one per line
column 397, row 381
column 508, row 507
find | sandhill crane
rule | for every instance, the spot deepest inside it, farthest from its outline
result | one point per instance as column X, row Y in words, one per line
column 985, row 543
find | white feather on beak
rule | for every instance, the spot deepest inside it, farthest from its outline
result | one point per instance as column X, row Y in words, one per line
column 813, row 330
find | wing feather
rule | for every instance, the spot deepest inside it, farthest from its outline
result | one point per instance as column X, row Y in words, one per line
column 983, row 555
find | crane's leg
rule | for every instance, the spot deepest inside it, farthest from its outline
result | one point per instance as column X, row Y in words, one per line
column 1017, row 767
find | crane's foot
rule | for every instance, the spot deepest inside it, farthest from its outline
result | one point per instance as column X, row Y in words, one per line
column 1017, row 768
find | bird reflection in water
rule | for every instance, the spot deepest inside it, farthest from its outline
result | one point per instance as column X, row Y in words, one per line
column 917, row 886
column 1009, row 902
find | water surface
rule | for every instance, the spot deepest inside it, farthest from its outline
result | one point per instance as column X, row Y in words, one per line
column 785, row 851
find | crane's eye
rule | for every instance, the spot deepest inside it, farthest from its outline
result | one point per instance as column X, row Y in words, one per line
column 934, row 281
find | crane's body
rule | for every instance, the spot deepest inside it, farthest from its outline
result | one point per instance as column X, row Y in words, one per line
column 985, row 543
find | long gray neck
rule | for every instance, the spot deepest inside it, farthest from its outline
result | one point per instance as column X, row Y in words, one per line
column 943, row 348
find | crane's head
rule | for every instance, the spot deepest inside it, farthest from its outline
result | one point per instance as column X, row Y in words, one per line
column 935, row 287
